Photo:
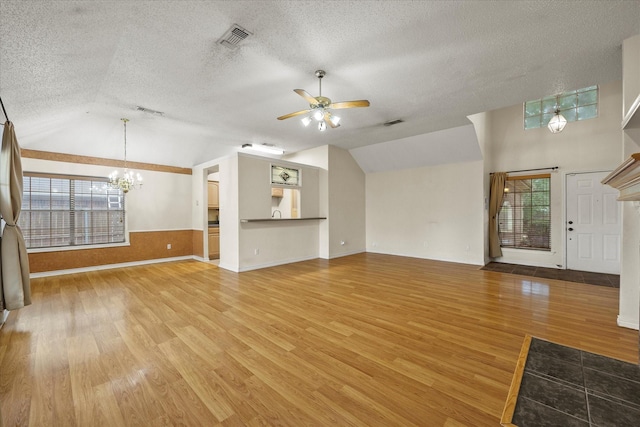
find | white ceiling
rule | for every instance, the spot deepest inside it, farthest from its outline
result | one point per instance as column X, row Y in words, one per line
column 69, row 70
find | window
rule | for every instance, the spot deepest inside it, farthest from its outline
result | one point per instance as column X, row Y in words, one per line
column 574, row 105
column 525, row 218
column 285, row 176
column 61, row 210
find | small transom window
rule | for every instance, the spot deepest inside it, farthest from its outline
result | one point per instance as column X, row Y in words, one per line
column 581, row 104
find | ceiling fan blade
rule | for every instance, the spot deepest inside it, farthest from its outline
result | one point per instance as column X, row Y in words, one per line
column 297, row 113
column 349, row 104
column 303, row 93
column 327, row 120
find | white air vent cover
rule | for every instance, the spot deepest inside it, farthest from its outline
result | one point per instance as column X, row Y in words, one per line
column 234, row 36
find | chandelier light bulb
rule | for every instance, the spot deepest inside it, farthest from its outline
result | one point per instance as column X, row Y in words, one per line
column 306, row 121
column 318, row 114
column 322, row 126
column 335, row 120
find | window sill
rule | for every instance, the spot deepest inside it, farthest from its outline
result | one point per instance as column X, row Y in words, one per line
column 76, row 248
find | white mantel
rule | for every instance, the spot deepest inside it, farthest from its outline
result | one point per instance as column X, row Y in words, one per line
column 626, row 179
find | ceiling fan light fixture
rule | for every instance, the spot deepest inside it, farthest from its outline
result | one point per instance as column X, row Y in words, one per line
column 263, row 148
column 306, row 121
column 322, row 126
column 318, row 114
column 335, row 120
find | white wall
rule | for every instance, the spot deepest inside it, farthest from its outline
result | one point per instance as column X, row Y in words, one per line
column 163, row 202
column 482, row 125
column 263, row 244
column 629, row 310
column 229, row 214
column 319, row 157
column 347, row 207
column 342, row 200
column 432, row 212
column 585, row 146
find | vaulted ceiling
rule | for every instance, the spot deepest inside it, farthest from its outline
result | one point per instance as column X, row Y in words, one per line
column 69, row 70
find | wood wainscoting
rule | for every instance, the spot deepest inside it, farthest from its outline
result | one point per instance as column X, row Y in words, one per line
column 198, row 243
column 143, row 246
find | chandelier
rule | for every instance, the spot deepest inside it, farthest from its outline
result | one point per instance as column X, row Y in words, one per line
column 128, row 180
column 557, row 122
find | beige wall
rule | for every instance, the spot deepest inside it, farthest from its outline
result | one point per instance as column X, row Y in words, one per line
column 156, row 215
column 586, row 146
column 342, row 200
column 263, row 244
column 431, row 212
column 347, row 211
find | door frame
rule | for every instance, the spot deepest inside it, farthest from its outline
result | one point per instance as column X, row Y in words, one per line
column 565, row 204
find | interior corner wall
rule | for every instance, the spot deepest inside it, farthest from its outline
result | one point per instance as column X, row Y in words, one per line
column 482, row 125
column 229, row 214
column 157, row 214
column 319, row 157
column 431, row 212
column 584, row 146
column 629, row 303
column 347, row 207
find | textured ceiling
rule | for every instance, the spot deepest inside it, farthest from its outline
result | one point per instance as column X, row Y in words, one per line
column 70, row 70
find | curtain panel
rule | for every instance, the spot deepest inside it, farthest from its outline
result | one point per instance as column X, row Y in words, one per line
column 15, row 287
column 495, row 205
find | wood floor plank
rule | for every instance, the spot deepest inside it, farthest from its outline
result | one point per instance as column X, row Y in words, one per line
column 364, row 340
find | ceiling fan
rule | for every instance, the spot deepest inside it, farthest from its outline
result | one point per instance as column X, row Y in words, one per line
column 319, row 107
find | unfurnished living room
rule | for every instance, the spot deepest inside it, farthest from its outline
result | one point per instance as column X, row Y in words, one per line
column 338, row 213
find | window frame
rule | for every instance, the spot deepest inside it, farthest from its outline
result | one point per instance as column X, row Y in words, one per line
column 73, row 213
column 517, row 237
column 569, row 112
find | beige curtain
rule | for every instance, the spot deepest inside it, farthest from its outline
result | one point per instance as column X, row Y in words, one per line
column 495, row 204
column 15, row 288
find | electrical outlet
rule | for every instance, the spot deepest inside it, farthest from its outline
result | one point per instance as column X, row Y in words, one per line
column 168, row 245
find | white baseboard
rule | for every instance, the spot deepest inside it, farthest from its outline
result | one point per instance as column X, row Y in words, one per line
column 107, row 266
column 443, row 259
column 341, row 254
column 628, row 323
column 3, row 317
column 271, row 264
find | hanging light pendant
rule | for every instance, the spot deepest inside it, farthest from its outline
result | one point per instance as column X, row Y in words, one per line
column 557, row 122
column 128, row 180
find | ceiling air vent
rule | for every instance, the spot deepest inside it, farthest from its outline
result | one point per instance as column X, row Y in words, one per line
column 393, row 122
column 234, row 36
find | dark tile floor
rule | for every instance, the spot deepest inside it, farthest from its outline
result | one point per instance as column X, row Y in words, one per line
column 600, row 279
column 564, row 386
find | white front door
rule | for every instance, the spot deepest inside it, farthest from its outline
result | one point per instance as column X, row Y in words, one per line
column 593, row 224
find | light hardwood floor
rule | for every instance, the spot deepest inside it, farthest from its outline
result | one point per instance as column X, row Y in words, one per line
column 364, row 340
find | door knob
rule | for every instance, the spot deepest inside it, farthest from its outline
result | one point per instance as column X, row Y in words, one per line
column 570, row 229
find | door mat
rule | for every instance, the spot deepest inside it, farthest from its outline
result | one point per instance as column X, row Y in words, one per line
column 555, row 385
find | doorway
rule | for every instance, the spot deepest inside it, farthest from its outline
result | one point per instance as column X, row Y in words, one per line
column 212, row 215
column 593, row 224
